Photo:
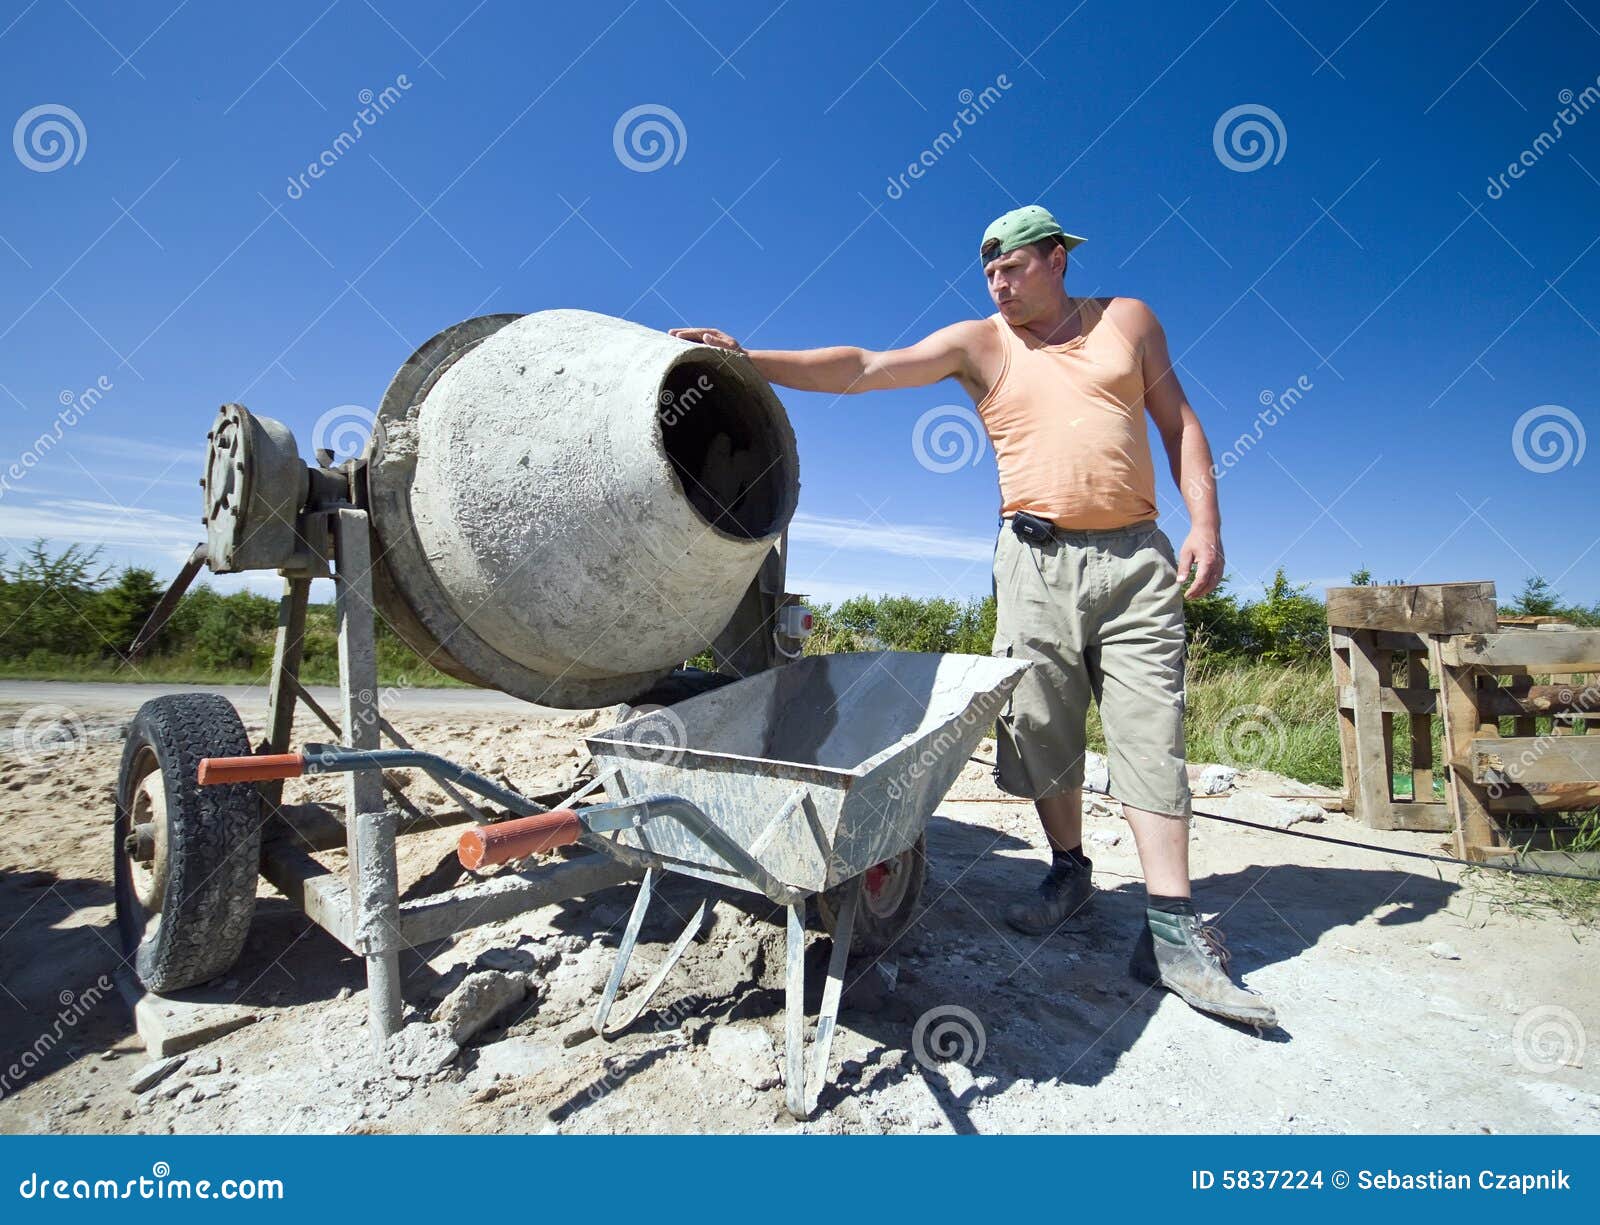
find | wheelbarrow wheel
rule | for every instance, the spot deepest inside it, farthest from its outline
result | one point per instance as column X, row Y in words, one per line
column 889, row 895
column 186, row 856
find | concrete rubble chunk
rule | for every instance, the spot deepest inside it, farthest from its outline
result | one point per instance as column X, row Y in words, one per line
column 1096, row 773
column 421, row 1050
column 1215, row 779
column 477, row 1000
column 1443, row 951
column 153, row 1074
column 1270, row 810
column 745, row 1051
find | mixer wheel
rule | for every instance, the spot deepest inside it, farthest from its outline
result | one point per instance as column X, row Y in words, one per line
column 186, row 856
column 889, row 895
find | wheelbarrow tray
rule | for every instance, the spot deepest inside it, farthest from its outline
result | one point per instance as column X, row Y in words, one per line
column 820, row 769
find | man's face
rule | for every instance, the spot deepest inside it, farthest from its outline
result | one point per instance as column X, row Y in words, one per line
column 1023, row 283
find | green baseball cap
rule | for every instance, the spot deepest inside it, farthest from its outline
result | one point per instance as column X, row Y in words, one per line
column 1019, row 227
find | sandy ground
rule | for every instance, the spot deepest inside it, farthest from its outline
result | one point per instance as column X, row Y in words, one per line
column 1382, row 1028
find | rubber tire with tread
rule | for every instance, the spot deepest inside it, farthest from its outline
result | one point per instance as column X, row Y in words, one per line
column 213, row 843
column 873, row 934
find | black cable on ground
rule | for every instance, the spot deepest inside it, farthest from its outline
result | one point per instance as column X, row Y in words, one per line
column 1515, row 869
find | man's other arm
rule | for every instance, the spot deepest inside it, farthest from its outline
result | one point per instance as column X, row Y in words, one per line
column 1188, row 454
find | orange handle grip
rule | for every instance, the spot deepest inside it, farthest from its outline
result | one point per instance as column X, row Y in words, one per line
column 487, row 845
column 257, row 769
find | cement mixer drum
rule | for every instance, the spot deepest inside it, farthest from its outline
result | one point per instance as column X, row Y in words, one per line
column 569, row 505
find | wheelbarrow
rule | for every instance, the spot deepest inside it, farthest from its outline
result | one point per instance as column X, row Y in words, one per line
column 813, row 780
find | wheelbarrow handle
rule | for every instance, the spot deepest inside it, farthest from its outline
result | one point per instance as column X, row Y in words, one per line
column 254, row 769
column 488, row 845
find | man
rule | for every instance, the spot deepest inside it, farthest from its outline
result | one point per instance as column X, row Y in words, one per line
column 1087, row 585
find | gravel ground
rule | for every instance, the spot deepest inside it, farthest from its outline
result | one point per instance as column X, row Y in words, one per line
column 1407, row 1003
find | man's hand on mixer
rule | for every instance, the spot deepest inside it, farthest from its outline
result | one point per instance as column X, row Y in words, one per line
column 714, row 337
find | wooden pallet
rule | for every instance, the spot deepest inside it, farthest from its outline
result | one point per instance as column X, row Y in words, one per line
column 1382, row 641
column 1525, row 779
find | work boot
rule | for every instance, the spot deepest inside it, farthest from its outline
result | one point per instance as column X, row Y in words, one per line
column 1065, row 891
column 1180, row 953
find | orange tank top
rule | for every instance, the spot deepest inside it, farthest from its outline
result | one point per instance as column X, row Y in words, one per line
column 1067, row 424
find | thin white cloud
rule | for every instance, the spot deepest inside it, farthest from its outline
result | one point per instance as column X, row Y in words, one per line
column 139, row 448
column 886, row 536
column 85, row 522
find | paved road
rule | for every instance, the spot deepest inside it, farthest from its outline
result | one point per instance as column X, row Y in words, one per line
column 118, row 700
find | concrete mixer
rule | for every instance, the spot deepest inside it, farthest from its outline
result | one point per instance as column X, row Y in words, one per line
column 565, row 507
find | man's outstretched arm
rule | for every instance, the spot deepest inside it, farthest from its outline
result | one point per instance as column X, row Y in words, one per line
column 842, row 369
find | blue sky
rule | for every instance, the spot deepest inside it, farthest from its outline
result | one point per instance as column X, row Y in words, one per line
column 160, row 249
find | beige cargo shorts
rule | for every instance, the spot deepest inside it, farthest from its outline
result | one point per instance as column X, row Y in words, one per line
column 1101, row 615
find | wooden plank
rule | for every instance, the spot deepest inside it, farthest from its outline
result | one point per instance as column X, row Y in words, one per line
column 1404, row 701
column 1421, row 730
column 1545, row 797
column 1526, row 650
column 1458, row 707
column 1422, row 608
column 1430, row 817
column 1525, row 760
column 1372, row 792
column 1339, row 649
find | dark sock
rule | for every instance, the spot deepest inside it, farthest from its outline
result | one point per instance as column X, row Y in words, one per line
column 1073, row 858
column 1171, row 905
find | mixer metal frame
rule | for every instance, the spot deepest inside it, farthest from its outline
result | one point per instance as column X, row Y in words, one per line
column 363, row 911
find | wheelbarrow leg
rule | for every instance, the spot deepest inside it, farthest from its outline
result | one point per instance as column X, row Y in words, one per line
column 636, row 1003
column 630, row 937
column 802, row 1092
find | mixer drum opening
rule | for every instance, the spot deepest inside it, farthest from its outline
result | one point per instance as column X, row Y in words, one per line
column 726, row 449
